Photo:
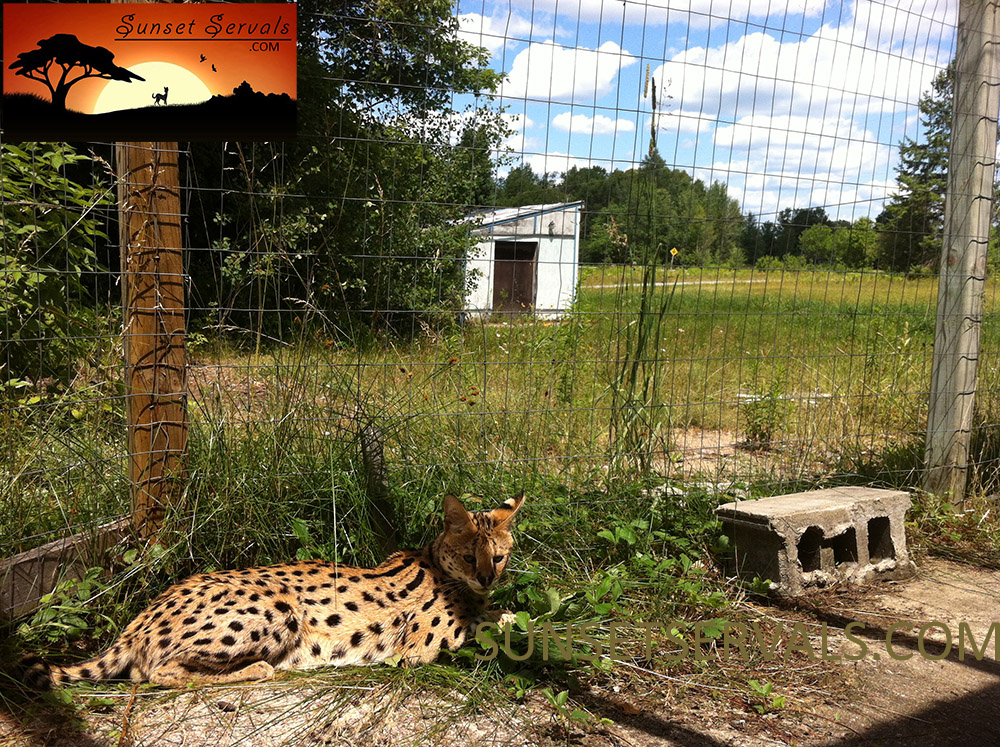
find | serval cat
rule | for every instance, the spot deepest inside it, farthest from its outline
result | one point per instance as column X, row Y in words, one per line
column 233, row 626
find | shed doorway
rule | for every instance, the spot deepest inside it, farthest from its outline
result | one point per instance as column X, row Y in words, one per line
column 514, row 268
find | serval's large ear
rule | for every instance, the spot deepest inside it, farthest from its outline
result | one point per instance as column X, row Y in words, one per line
column 455, row 515
column 504, row 513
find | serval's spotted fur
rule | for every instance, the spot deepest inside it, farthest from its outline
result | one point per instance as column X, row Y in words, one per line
column 232, row 626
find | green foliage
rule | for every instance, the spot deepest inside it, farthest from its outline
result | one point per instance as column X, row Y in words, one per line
column 363, row 231
column 49, row 226
column 913, row 219
column 766, row 701
column 781, row 238
column 656, row 208
column 67, row 611
column 853, row 246
column 764, row 407
column 640, row 421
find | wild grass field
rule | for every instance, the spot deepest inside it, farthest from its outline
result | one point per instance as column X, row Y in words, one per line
column 661, row 395
column 744, row 378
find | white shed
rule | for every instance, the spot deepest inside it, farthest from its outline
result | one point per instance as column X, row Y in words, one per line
column 526, row 260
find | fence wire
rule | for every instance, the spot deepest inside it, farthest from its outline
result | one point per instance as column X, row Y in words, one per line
column 578, row 247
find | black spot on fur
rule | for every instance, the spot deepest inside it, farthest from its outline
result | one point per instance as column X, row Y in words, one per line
column 282, row 606
column 316, row 649
column 352, row 606
column 236, row 625
column 417, row 580
column 376, row 628
column 293, row 625
column 228, row 640
column 356, row 638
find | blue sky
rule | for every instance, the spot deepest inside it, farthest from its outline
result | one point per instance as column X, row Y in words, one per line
column 791, row 104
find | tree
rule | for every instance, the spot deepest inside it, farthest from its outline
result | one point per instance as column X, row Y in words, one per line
column 64, row 53
column 49, row 228
column 654, row 208
column 913, row 219
column 358, row 220
column 792, row 224
column 817, row 244
column 524, row 187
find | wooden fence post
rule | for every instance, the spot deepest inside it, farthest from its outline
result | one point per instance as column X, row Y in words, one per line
column 152, row 273
column 968, row 209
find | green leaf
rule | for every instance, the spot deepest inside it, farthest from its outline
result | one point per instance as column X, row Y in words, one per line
column 627, row 534
column 555, row 602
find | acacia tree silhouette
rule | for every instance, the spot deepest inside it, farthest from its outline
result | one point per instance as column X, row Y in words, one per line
column 65, row 52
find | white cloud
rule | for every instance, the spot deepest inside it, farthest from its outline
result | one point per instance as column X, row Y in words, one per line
column 555, row 163
column 811, row 119
column 563, row 74
column 581, row 124
column 697, row 13
column 877, row 59
column 795, row 161
column 517, row 141
column 493, row 33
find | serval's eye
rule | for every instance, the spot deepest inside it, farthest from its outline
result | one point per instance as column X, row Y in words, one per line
column 470, row 559
column 497, row 559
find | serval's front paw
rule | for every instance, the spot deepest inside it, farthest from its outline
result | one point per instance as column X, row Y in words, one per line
column 502, row 618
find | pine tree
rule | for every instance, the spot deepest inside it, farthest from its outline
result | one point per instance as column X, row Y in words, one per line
column 912, row 221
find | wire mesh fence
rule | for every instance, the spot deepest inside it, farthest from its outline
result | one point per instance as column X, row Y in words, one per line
column 581, row 249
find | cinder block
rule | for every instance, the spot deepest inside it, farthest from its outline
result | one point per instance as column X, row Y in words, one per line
column 814, row 539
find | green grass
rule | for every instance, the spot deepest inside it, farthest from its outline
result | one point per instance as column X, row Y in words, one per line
column 584, row 414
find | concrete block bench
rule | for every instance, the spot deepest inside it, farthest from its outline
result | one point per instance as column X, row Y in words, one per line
column 820, row 537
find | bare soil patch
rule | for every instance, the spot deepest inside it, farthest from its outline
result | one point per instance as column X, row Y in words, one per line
column 932, row 697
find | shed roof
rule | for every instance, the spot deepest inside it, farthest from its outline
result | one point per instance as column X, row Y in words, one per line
column 504, row 215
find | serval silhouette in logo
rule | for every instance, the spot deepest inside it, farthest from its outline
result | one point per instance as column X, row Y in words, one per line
column 160, row 98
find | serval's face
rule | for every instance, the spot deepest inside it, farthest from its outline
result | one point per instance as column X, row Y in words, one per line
column 474, row 547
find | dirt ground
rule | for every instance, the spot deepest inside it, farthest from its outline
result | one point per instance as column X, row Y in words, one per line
column 880, row 701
